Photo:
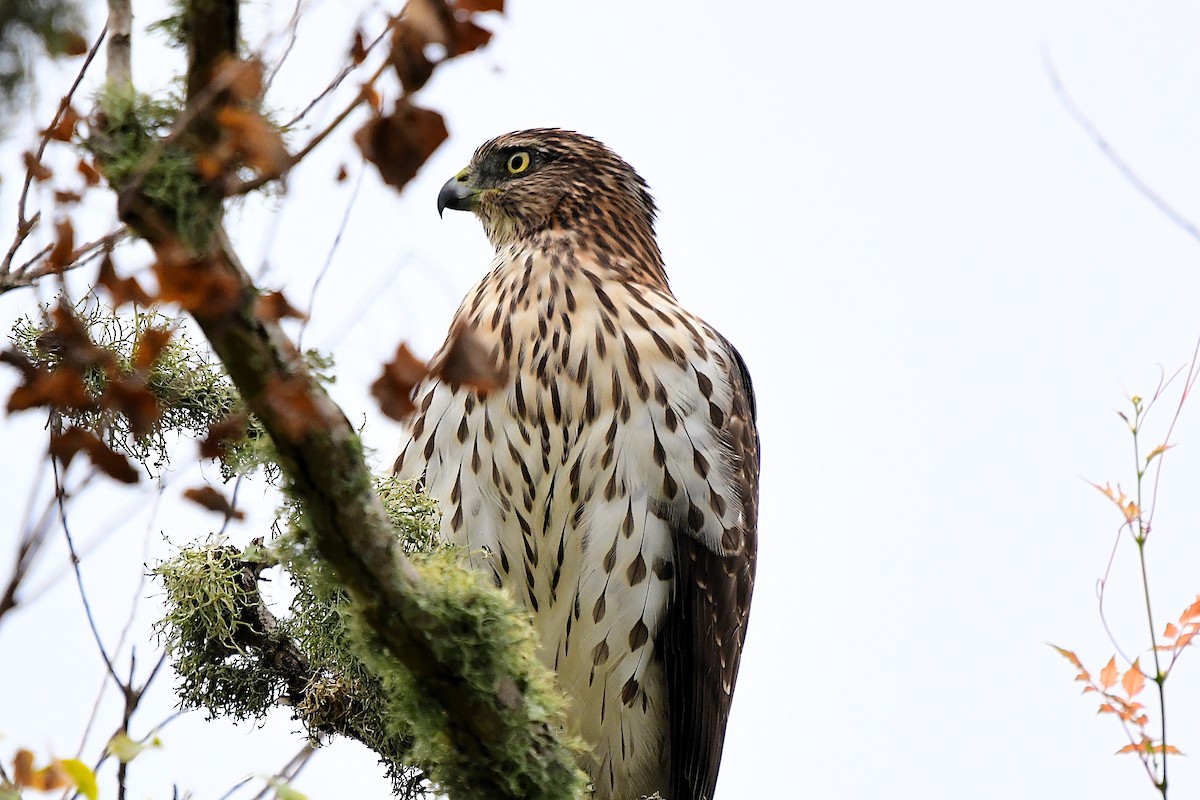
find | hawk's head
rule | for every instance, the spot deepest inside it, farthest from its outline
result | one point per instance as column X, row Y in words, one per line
column 526, row 182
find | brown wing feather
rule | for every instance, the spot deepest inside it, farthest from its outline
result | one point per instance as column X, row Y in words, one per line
column 702, row 636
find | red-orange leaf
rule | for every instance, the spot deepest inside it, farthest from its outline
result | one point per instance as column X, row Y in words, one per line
column 1110, row 673
column 1170, row 632
column 1133, row 681
column 1069, row 655
column 1190, row 613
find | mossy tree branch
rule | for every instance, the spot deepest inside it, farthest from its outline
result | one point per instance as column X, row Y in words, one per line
column 494, row 730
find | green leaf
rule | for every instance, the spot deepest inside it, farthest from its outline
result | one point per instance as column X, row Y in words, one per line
column 124, row 748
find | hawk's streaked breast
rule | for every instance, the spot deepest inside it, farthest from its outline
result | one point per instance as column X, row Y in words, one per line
column 612, row 482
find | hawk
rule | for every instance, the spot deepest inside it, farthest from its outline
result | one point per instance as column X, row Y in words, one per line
column 610, row 481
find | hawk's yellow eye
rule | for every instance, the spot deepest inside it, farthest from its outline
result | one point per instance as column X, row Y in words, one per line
column 518, row 163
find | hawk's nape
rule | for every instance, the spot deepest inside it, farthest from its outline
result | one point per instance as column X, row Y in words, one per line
column 611, row 481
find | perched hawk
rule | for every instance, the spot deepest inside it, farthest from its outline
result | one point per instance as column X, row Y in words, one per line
column 611, row 482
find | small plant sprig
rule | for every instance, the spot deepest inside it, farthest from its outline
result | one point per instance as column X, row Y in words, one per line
column 1119, row 688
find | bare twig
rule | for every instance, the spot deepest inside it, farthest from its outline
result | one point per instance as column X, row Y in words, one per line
column 289, row 771
column 25, row 225
column 337, row 240
column 293, row 30
column 262, row 180
column 335, row 83
column 60, row 494
column 31, row 271
column 1113, row 157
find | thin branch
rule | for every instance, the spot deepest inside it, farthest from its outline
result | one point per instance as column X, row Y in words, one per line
column 293, row 30
column 30, row 272
column 335, row 83
column 337, row 240
column 262, row 180
column 289, row 771
column 1113, row 157
column 60, row 494
column 25, row 226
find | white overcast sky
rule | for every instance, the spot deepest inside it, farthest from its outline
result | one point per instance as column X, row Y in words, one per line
column 943, row 292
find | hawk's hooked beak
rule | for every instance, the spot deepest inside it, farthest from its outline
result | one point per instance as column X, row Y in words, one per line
column 458, row 194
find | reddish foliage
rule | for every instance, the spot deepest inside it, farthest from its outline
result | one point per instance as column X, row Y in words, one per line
column 399, row 143
column 252, row 141
column 61, row 388
column 358, row 49
column 245, row 78
column 468, row 361
column 426, row 22
column 394, row 387
column 149, row 346
column 35, row 168
column 130, row 396
column 295, row 408
column 64, row 129
column 198, row 285
column 120, row 290
column 62, row 254
column 65, row 445
column 230, row 429
column 213, row 500
column 274, row 306
column 89, row 173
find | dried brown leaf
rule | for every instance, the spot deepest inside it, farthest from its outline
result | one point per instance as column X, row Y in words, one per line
column 64, row 129
column 469, row 361
column 131, row 397
column 149, row 346
column 71, row 43
column 62, row 254
column 407, row 54
column 64, row 446
column 295, row 407
column 38, row 170
column 213, row 500
column 230, row 429
column 63, row 388
column 120, row 290
column 246, row 78
column 89, row 173
column 198, row 285
column 399, row 143
column 274, row 306
column 257, row 143
column 477, row 6
column 358, row 49
column 393, row 389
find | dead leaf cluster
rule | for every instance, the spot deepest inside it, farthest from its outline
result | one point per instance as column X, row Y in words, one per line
column 464, row 361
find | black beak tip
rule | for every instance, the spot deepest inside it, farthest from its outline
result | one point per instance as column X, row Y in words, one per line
column 454, row 195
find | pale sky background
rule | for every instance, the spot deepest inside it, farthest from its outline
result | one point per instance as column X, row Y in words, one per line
column 943, row 292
